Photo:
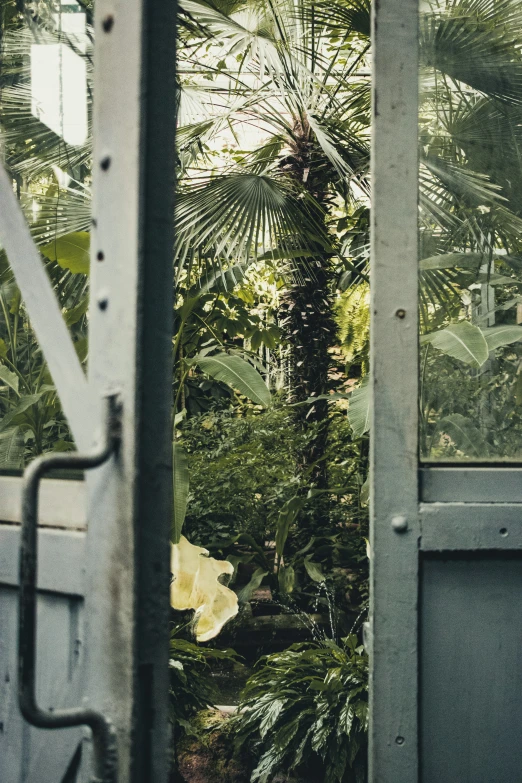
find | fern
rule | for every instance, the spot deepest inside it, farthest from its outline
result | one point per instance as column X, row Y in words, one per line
column 352, row 314
column 306, row 705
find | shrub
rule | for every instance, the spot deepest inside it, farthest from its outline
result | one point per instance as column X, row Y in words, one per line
column 191, row 687
column 242, row 470
column 306, row 705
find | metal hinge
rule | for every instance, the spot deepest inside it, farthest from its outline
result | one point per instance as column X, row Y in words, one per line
column 103, row 734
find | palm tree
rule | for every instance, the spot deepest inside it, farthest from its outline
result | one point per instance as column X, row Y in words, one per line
column 313, row 104
column 297, row 70
column 309, row 94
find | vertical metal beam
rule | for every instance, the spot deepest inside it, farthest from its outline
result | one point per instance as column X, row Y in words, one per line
column 127, row 595
column 155, row 392
column 394, row 334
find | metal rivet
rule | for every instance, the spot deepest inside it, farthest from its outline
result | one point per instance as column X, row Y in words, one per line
column 105, row 163
column 399, row 740
column 503, row 531
column 399, row 524
column 100, row 255
column 400, row 313
column 108, row 23
column 103, row 301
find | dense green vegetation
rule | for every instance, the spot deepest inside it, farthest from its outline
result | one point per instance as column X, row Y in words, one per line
column 271, row 324
column 308, row 704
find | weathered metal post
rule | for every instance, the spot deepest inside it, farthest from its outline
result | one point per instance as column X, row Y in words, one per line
column 446, row 539
column 128, row 566
column 394, row 335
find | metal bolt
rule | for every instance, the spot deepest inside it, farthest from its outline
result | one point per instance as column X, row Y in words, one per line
column 105, row 163
column 103, row 300
column 399, row 524
column 108, row 23
column 400, row 313
column 399, row 740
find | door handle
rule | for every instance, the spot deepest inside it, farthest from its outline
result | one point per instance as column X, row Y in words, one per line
column 103, row 733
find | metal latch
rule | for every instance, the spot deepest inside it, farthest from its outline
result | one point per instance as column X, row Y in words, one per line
column 103, row 734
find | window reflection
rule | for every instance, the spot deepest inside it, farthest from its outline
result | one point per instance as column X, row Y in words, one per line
column 470, row 230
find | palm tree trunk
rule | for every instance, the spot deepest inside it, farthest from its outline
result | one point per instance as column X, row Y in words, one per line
column 306, row 318
column 309, row 329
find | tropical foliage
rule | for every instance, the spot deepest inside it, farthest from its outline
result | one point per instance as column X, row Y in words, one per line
column 470, row 228
column 274, row 68
column 307, row 707
column 270, row 377
column 191, row 687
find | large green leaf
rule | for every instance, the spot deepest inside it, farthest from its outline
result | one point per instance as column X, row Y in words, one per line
column 314, row 570
column 464, row 434
column 498, row 336
column 245, row 593
column 73, row 315
column 462, row 341
column 360, row 409
column 287, row 517
column 23, row 405
column 11, row 449
column 286, row 579
column 8, row 377
column 70, row 252
column 237, row 373
column 181, row 489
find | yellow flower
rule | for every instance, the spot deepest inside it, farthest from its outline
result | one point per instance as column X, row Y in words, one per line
column 196, row 585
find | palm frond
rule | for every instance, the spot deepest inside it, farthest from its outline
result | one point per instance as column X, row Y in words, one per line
column 30, row 147
column 342, row 18
column 240, row 216
column 476, row 42
column 57, row 212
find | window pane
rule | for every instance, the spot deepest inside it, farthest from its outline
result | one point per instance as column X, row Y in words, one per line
column 470, row 230
column 46, row 149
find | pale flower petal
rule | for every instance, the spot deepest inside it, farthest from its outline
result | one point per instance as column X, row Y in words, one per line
column 195, row 585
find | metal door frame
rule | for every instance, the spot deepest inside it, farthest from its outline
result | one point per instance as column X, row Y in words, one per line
column 395, row 526
column 129, row 500
column 415, row 510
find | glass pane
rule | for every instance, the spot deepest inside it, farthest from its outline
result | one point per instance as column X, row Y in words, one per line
column 45, row 146
column 470, row 230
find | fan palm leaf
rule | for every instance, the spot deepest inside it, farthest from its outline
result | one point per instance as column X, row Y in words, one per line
column 245, row 215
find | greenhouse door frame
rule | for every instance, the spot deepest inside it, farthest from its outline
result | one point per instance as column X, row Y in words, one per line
column 446, row 542
column 104, row 544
